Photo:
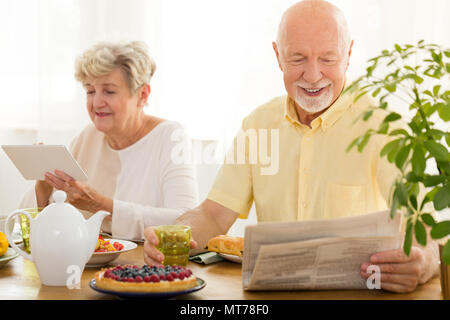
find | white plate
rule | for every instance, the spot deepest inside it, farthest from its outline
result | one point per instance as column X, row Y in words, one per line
column 99, row 259
column 9, row 255
column 231, row 257
column 108, row 235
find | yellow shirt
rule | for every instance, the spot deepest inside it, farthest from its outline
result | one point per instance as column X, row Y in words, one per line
column 315, row 177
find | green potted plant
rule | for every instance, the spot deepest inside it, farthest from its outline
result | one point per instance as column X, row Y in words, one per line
column 419, row 76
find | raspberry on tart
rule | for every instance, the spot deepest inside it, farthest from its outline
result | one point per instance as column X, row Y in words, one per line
column 131, row 278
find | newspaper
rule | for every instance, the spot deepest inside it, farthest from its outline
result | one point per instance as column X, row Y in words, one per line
column 316, row 255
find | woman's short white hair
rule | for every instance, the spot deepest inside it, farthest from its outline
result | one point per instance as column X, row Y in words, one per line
column 131, row 57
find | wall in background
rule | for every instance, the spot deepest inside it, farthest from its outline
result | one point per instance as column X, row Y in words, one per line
column 215, row 62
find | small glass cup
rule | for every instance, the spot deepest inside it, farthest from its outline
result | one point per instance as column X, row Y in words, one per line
column 174, row 243
column 25, row 226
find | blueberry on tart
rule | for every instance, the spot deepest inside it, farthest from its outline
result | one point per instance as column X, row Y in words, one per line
column 131, row 278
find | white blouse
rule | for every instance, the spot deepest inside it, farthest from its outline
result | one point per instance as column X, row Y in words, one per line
column 147, row 184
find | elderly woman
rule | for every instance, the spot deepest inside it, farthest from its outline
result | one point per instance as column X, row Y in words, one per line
column 125, row 152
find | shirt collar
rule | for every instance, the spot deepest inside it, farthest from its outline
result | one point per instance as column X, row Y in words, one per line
column 326, row 119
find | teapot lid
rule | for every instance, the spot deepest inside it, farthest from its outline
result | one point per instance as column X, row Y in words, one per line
column 60, row 207
column 59, row 196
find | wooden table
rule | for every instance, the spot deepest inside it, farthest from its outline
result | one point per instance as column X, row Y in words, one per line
column 19, row 280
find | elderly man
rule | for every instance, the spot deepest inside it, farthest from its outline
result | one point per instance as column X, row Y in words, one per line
column 316, row 178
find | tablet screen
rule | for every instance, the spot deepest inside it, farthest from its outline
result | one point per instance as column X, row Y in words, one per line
column 33, row 161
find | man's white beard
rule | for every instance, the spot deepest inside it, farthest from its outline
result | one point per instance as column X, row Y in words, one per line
column 314, row 104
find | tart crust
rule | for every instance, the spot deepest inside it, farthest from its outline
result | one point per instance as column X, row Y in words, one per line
column 162, row 286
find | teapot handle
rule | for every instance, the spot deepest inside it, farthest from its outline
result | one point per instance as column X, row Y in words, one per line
column 10, row 238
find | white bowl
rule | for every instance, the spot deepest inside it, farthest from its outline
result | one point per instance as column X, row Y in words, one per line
column 99, row 259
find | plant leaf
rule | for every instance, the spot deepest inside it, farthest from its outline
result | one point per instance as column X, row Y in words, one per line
column 367, row 115
column 411, row 177
column 402, row 155
column 441, row 199
column 440, row 229
column 436, row 57
column 414, row 127
column 431, row 181
column 444, row 111
column 418, row 79
column 361, row 94
column 389, row 147
column 394, row 205
column 413, row 199
column 391, row 87
column 384, row 104
column 436, row 89
column 414, row 191
column 399, row 131
column 421, row 235
column 429, row 109
column 418, row 160
column 401, row 194
column 392, row 154
column 353, row 143
column 428, row 219
column 428, row 197
column 393, row 116
column 376, row 92
column 436, row 134
column 408, row 238
column 437, row 150
column 384, row 128
column 363, row 142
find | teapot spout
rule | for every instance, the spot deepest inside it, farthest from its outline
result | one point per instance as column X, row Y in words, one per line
column 93, row 225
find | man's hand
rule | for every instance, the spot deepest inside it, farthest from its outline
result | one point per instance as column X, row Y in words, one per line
column 399, row 272
column 151, row 254
column 79, row 194
column 207, row 220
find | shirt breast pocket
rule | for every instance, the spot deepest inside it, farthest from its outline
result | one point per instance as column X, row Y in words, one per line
column 344, row 200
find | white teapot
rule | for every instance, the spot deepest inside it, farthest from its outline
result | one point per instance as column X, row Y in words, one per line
column 61, row 240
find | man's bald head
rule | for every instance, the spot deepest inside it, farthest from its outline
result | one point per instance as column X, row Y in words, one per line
column 314, row 14
column 313, row 49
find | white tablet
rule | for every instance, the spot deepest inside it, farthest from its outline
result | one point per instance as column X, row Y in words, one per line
column 33, row 161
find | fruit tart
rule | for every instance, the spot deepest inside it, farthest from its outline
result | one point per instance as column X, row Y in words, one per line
column 131, row 278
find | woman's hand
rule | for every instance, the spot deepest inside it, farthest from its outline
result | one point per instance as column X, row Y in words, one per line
column 79, row 194
column 43, row 192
